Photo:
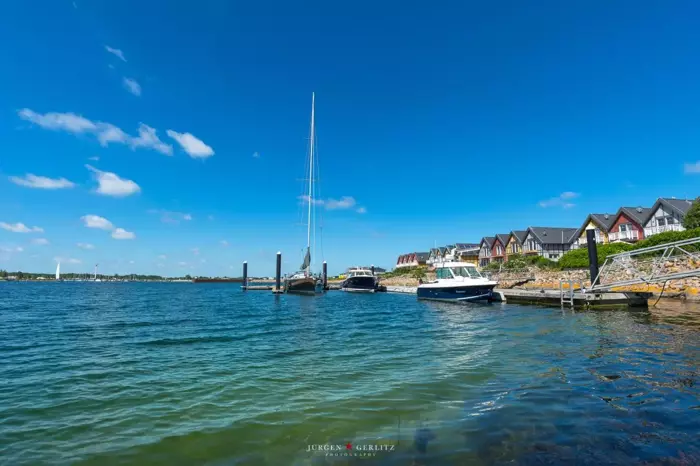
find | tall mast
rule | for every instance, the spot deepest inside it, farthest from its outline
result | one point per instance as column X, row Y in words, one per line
column 311, row 175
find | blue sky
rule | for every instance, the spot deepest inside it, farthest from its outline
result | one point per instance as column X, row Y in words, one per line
column 183, row 126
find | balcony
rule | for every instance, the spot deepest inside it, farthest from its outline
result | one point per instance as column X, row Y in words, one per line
column 629, row 235
column 649, row 231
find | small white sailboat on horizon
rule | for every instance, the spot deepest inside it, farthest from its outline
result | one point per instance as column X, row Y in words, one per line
column 58, row 272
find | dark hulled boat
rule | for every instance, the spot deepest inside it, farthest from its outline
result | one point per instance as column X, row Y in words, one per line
column 360, row 280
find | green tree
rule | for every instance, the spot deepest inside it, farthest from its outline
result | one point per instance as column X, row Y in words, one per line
column 3, row 273
column 20, row 275
column 692, row 218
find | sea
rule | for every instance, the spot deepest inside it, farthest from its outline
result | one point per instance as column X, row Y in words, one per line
column 188, row 374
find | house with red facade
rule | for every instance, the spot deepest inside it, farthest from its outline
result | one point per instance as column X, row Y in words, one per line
column 628, row 224
column 498, row 249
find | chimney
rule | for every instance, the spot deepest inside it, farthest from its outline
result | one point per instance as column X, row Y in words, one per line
column 639, row 209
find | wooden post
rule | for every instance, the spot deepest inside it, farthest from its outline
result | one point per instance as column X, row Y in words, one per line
column 373, row 271
column 245, row 275
column 592, row 256
column 278, row 271
column 325, row 275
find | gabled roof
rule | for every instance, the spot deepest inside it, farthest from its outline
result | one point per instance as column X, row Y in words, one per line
column 679, row 205
column 422, row 256
column 519, row 236
column 638, row 214
column 442, row 250
column 488, row 240
column 553, row 235
column 450, row 246
column 605, row 221
column 434, row 251
column 467, row 246
column 503, row 238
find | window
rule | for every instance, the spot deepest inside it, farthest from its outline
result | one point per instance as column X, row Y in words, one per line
column 443, row 274
column 624, row 227
column 468, row 272
column 554, row 256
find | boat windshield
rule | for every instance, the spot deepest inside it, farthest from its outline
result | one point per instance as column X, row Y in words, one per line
column 468, row 272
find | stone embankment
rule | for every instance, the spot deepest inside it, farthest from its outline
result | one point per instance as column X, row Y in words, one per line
column 686, row 288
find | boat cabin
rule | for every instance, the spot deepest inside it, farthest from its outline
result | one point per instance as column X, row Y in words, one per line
column 358, row 272
column 455, row 270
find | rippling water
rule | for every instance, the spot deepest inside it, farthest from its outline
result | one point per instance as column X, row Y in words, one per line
column 101, row 373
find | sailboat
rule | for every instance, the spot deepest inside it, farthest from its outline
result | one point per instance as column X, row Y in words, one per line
column 58, row 271
column 303, row 281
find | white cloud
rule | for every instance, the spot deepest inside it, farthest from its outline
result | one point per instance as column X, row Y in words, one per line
column 162, row 257
column 361, row 210
column 20, row 228
column 105, row 133
column 85, row 246
column 110, row 184
column 132, row 262
column 40, row 241
column 256, row 155
column 12, row 249
column 195, row 148
column 182, row 264
column 195, row 251
column 692, row 168
column 121, row 233
column 203, row 261
column 67, row 260
column 95, row 158
column 116, row 52
column 167, row 216
column 560, row 201
column 345, row 202
column 41, row 182
column 224, row 243
column 132, row 86
column 95, row 221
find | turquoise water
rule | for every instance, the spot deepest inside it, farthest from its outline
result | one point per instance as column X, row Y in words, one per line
column 119, row 373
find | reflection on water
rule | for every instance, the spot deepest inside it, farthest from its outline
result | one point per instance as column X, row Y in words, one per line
column 182, row 374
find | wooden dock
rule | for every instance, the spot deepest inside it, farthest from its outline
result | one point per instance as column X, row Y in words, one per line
column 600, row 300
column 257, row 287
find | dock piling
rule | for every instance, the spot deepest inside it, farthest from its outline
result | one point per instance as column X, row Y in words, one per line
column 245, row 275
column 372, row 268
column 278, row 271
column 325, row 275
column 592, row 256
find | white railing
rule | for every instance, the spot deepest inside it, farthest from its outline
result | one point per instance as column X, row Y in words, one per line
column 648, row 231
column 629, row 235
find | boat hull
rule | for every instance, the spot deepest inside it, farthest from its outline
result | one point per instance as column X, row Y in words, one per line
column 457, row 293
column 360, row 284
column 301, row 285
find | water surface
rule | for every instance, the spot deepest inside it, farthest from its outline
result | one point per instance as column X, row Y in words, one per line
column 139, row 373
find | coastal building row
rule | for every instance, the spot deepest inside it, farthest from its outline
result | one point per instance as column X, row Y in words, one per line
column 628, row 224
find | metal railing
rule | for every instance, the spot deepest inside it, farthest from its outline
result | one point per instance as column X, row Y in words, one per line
column 629, row 235
column 649, row 231
column 649, row 265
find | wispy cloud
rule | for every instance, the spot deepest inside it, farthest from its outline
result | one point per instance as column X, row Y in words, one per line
column 195, row 148
column 168, row 216
column 41, row 182
column 345, row 202
column 95, row 158
column 110, row 184
column 11, row 249
column 85, row 246
column 692, row 168
column 132, row 86
column 120, row 233
column 182, row 264
column 20, row 228
column 162, row 257
column 67, row 260
column 116, row 52
column 224, row 243
column 40, row 241
column 106, row 133
column 195, row 251
column 563, row 200
column 210, row 217
column 256, row 155
column 95, row 221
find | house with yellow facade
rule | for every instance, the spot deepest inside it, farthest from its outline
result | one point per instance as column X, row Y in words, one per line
column 602, row 223
column 514, row 245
